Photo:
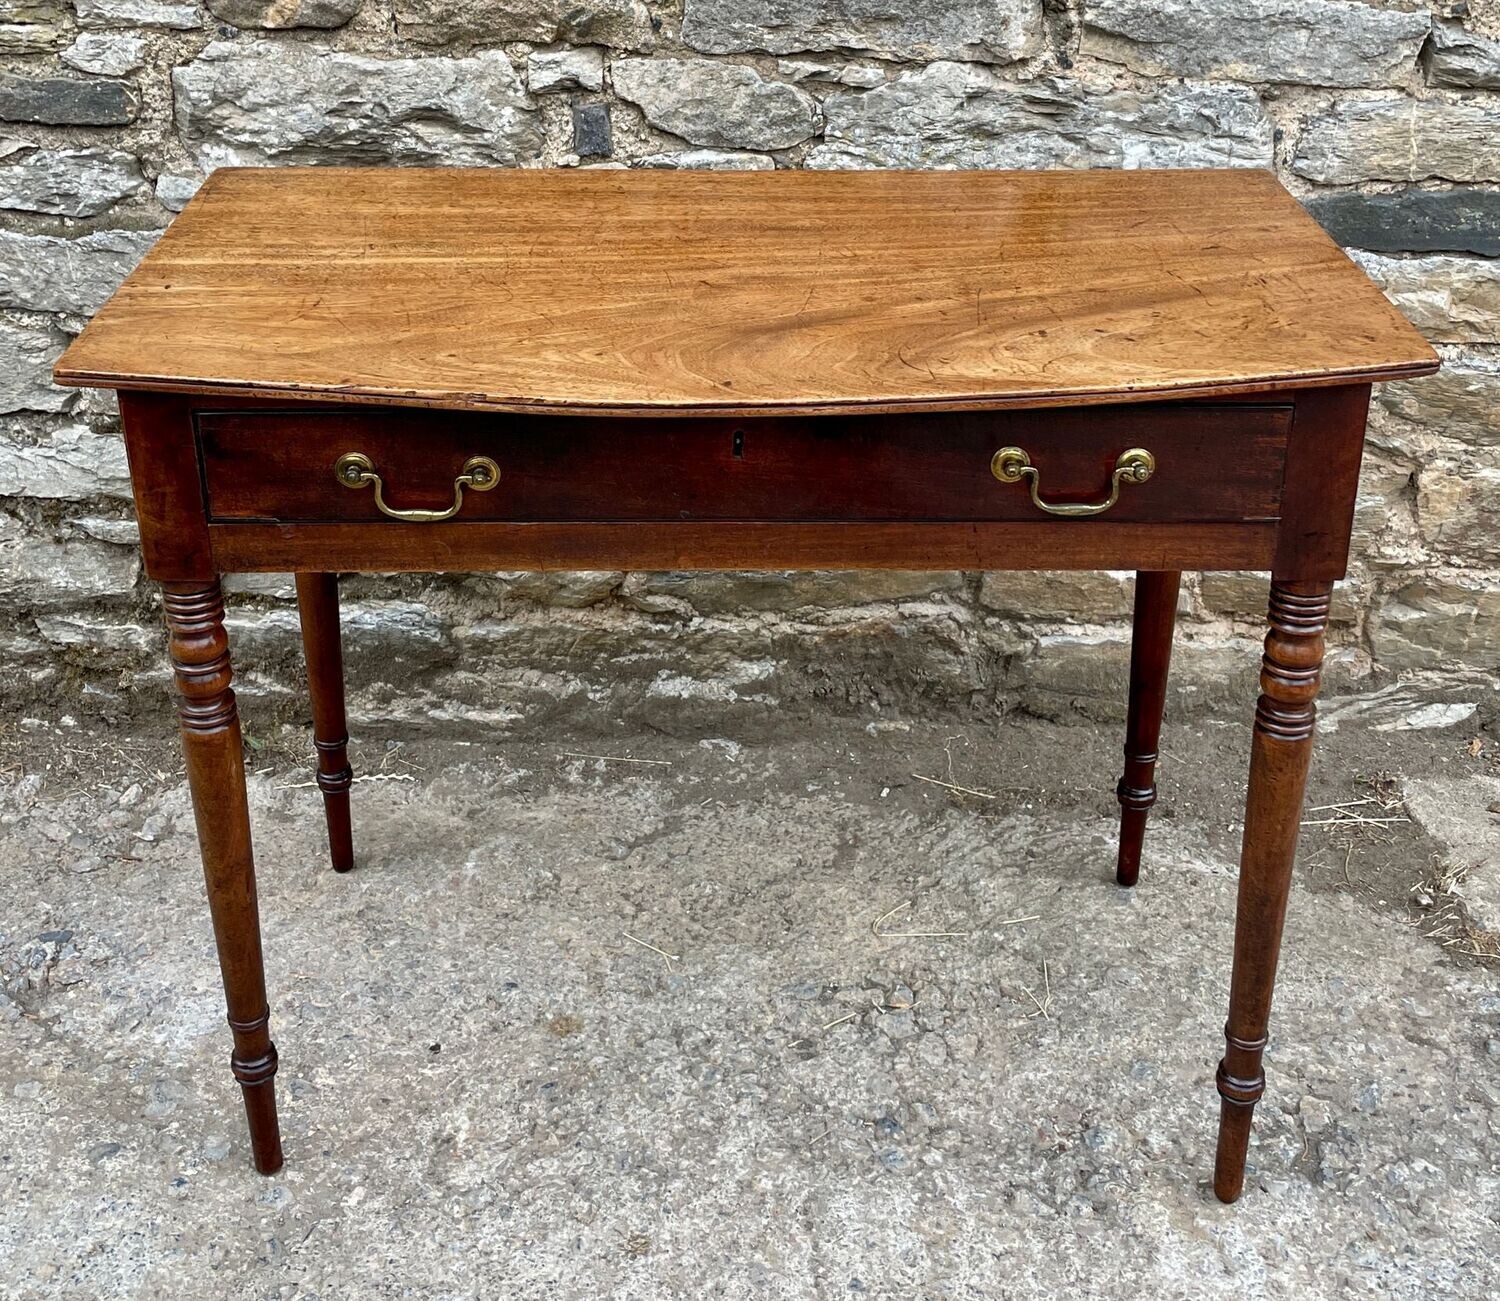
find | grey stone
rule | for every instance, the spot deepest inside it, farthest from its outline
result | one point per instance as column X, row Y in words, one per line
column 28, row 38
column 278, row 15
column 70, row 464
column 1311, row 42
column 174, row 190
column 248, row 103
column 1437, row 621
column 1456, row 57
column 30, row 26
column 591, row 135
column 1401, row 140
column 833, row 71
column 719, row 160
column 27, row 354
column 1450, row 299
column 1096, row 596
column 992, row 31
column 1458, row 512
column 711, row 103
column 106, row 54
column 107, row 528
column 66, row 101
column 138, row 13
column 780, row 590
column 959, row 115
column 39, row 573
column 1460, row 403
column 619, row 24
column 45, row 273
column 67, row 182
column 1417, row 221
column 562, row 67
column 100, row 639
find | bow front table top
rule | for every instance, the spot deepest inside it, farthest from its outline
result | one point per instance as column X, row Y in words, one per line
column 328, row 370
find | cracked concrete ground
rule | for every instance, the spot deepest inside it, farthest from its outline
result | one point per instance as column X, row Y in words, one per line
column 493, row 1085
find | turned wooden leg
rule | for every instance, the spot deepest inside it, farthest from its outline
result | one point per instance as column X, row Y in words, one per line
column 210, row 724
column 1150, row 653
column 318, row 604
column 1279, row 755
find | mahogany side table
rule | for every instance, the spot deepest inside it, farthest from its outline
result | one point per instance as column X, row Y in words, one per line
column 328, row 370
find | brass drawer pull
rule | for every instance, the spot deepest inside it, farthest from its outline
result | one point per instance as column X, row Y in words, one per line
column 356, row 470
column 1011, row 465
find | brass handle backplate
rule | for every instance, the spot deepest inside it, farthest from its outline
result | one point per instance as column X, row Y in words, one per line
column 1011, row 465
column 356, row 470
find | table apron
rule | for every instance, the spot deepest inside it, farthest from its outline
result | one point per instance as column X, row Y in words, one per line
column 730, row 544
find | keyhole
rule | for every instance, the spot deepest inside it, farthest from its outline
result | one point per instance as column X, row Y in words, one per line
column 739, row 445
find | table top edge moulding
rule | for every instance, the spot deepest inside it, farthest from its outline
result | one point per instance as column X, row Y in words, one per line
column 324, row 370
column 660, row 293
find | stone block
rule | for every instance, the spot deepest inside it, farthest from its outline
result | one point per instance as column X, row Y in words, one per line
column 27, row 354
column 1457, row 57
column 721, row 104
column 715, row 160
column 1090, row 596
column 66, row 101
column 1458, row 405
column 561, row 67
column 106, row 54
column 66, row 182
column 42, row 573
column 139, row 13
column 591, row 131
column 1401, row 140
column 1309, row 42
column 960, row 115
column 1416, row 221
column 619, row 24
column 985, row 31
column 70, row 464
column 256, row 102
column 785, row 590
column 1450, row 299
column 43, row 273
column 1458, row 512
column 174, row 190
column 30, row 26
column 279, row 15
column 1439, row 621
column 103, row 637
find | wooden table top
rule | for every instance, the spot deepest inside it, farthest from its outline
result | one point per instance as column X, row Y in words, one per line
column 654, row 292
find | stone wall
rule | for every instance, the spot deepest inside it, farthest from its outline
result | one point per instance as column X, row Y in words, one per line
column 1384, row 117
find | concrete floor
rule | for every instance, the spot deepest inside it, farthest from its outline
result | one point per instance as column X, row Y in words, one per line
column 492, row 1086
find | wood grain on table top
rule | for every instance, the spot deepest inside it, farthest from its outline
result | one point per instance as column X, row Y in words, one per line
column 649, row 292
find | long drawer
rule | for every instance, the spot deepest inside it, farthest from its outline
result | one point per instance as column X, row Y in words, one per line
column 1207, row 463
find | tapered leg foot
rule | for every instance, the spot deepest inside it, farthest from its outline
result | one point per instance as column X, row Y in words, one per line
column 1280, row 752
column 1150, row 655
column 211, row 745
column 318, row 605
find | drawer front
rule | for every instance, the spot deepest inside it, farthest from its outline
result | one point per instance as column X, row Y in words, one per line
column 1211, row 464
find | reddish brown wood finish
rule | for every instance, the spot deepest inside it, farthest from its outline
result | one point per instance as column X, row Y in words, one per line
column 318, row 607
column 210, row 723
column 1150, row 655
column 168, row 487
column 680, row 292
column 1321, row 483
column 279, row 465
column 1281, row 750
